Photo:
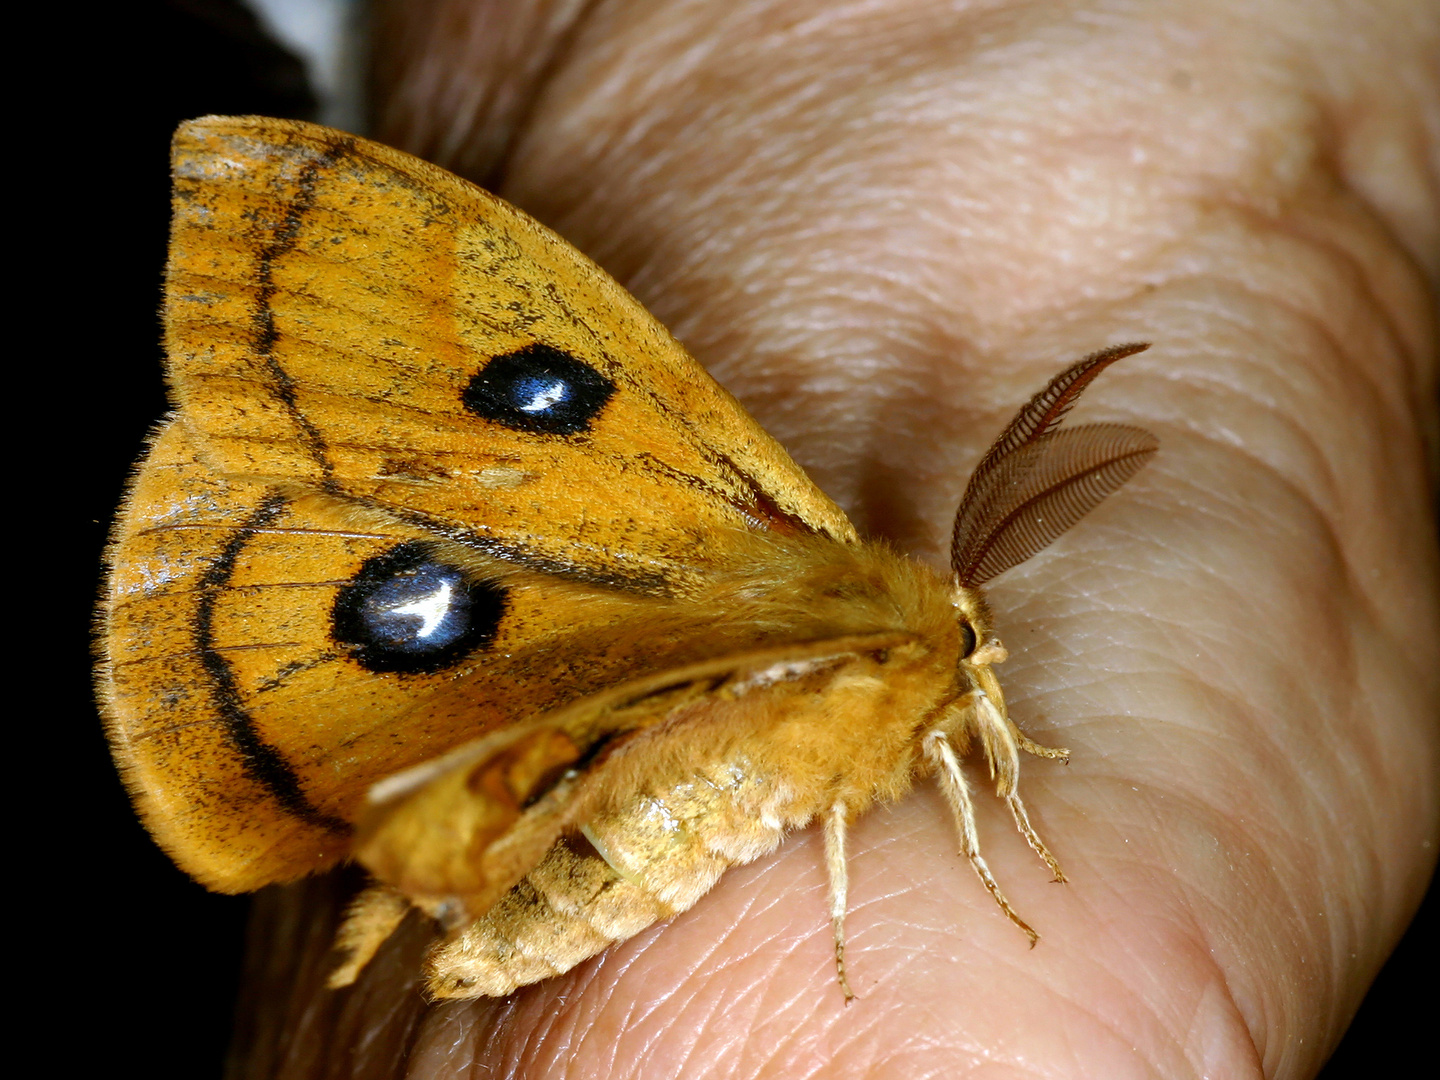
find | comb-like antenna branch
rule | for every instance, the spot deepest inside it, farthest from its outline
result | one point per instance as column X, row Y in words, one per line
column 1044, row 489
column 1047, row 408
column 993, row 529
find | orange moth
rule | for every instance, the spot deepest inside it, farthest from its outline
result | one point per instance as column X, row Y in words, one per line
column 452, row 562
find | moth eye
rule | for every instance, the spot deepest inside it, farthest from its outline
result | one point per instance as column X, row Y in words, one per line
column 406, row 611
column 968, row 641
column 539, row 389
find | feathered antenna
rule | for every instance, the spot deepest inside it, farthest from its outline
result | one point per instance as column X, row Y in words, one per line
column 1035, row 482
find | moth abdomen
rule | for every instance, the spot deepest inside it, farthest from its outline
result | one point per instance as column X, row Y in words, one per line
column 570, row 907
column 632, row 866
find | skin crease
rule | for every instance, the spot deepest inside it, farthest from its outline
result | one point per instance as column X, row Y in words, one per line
column 883, row 225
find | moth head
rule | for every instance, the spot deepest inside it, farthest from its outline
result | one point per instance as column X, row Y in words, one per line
column 979, row 644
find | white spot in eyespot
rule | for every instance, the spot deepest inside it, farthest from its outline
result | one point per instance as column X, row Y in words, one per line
column 543, row 398
column 432, row 609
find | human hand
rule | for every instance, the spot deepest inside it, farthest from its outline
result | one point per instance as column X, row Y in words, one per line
column 883, row 226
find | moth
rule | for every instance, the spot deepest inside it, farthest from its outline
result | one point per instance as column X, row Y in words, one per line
column 452, row 562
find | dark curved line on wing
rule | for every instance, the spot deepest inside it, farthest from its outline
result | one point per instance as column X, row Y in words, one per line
column 281, row 243
column 261, row 761
column 647, row 582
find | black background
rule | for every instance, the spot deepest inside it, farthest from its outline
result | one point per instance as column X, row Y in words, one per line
column 143, row 962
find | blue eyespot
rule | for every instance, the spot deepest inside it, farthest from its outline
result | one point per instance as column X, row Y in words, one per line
column 538, row 389
column 405, row 611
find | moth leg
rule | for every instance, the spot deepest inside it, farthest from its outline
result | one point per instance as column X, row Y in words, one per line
column 1054, row 753
column 835, row 826
column 371, row 919
column 1022, row 822
column 953, row 785
column 999, row 732
column 998, row 737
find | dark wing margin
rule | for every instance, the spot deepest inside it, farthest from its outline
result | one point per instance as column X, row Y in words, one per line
column 1035, row 482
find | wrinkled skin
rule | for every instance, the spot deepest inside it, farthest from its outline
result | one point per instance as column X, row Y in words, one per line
column 883, row 225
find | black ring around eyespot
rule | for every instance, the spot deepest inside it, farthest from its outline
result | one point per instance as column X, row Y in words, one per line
column 539, row 389
column 405, row 611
